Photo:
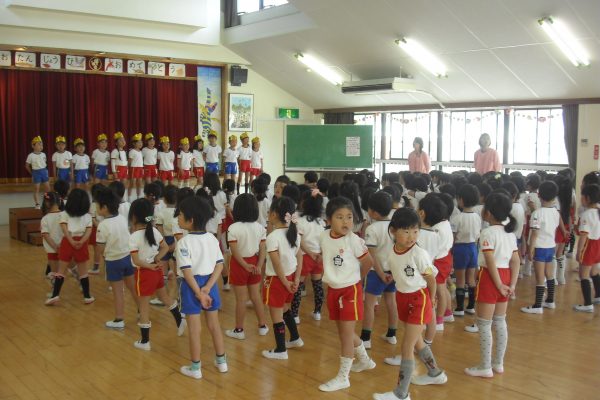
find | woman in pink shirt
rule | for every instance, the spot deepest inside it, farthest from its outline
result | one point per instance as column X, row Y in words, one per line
column 486, row 159
column 418, row 160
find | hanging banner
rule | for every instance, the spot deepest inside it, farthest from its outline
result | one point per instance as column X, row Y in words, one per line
column 5, row 58
column 25, row 60
column 136, row 67
column 156, row 68
column 177, row 70
column 209, row 100
column 75, row 63
column 114, row 65
column 49, row 61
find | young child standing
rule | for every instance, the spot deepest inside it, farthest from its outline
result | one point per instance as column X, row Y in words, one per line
column 230, row 156
column 199, row 163
column 199, row 262
column 166, row 161
column 100, row 160
column 150, row 154
column 136, row 165
column 256, row 160
column 184, row 163
column 36, row 165
column 244, row 160
column 165, row 219
column 212, row 153
column 61, row 160
column 118, row 159
column 51, row 231
column 259, row 189
column 81, row 165
column 345, row 260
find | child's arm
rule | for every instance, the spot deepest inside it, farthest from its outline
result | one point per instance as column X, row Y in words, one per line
column 262, row 255
column 214, row 277
column 493, row 271
column 204, row 298
column 387, row 278
column 84, row 238
column 238, row 257
column 431, row 286
column 54, row 169
column 515, row 265
column 366, row 263
column 312, row 255
column 298, row 273
column 581, row 243
column 532, row 238
column 28, row 168
column 276, row 260
column 163, row 249
column 67, row 234
column 561, row 225
column 179, row 164
column 50, row 241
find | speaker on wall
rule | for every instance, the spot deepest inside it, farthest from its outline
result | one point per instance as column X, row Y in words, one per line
column 238, row 75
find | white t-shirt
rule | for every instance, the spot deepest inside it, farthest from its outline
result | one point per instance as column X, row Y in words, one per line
column 36, row 160
column 113, row 232
column 256, row 159
column 198, row 159
column 94, row 214
column 245, row 152
column 76, row 226
column 186, row 159
column 101, row 157
column 467, row 226
column 263, row 211
column 62, row 160
column 137, row 158
column 311, row 233
column 409, row 268
column 119, row 157
column 501, row 243
column 429, row 241
column 535, row 199
column 166, row 160
column 545, row 220
column 341, row 259
column 165, row 218
column 519, row 215
column 276, row 241
column 150, row 155
column 139, row 244
column 377, row 236
column 50, row 224
column 589, row 222
column 177, row 231
column 247, row 236
column 212, row 153
column 81, row 162
column 230, row 155
column 124, row 207
column 444, row 231
column 220, row 199
column 212, row 225
column 198, row 251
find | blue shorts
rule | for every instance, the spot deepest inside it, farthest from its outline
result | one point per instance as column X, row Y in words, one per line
column 101, row 172
column 465, row 255
column 169, row 240
column 190, row 304
column 39, row 175
column 231, row 168
column 374, row 285
column 81, row 176
column 116, row 270
column 212, row 167
column 543, row 255
column 64, row 174
column 519, row 241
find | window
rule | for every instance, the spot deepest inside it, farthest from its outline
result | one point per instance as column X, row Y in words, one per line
column 462, row 129
column 374, row 120
column 403, row 128
column 248, row 6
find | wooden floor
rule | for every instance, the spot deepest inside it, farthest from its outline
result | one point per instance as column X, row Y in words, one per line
column 64, row 352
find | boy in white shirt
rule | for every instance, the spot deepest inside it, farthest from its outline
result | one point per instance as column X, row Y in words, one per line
column 100, row 159
column 211, row 153
column 80, row 165
column 37, row 167
column 184, row 163
column 166, row 161
column 245, row 155
column 61, row 160
column 256, row 160
column 230, row 155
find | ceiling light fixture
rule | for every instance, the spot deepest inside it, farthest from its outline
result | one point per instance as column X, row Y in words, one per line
column 317, row 66
column 565, row 40
column 423, row 56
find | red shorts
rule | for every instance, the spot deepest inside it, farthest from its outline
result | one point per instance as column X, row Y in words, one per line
column 122, row 172
column 137, row 172
column 184, row 174
column 239, row 276
column 226, row 223
column 591, row 252
column 199, row 172
column 150, row 171
column 66, row 252
column 92, row 240
column 147, row 281
column 244, row 165
column 274, row 293
column 486, row 291
column 166, row 175
column 310, row 266
column 414, row 308
column 444, row 267
column 254, row 171
column 559, row 237
column 345, row 304
column 52, row 256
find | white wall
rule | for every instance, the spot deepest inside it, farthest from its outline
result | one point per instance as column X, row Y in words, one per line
column 589, row 128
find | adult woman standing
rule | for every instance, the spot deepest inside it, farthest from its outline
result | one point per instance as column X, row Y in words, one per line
column 418, row 160
column 486, row 159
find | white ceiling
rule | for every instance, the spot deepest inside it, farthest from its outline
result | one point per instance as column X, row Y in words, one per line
column 494, row 50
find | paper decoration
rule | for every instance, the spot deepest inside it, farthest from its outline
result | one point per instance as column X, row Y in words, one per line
column 25, row 60
column 156, row 68
column 114, row 65
column 5, row 58
column 95, row 64
column 353, row 146
column 75, row 63
column 177, row 70
column 50, row 61
column 136, row 67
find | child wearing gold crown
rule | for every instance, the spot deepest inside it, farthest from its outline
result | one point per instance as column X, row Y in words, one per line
column 212, row 153
column 245, row 152
column 136, row 165
column 256, row 161
column 100, row 160
column 37, row 166
column 199, row 162
column 166, row 161
column 61, row 160
column 81, row 165
column 184, row 163
column 118, row 159
column 230, row 155
column 150, row 158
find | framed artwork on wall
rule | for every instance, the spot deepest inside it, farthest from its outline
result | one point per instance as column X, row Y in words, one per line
column 241, row 112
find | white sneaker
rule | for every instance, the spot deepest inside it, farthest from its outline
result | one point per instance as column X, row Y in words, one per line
column 181, row 327
column 449, row 318
column 222, row 367
column 275, row 356
column 156, row 302
column 582, row 308
column 470, row 311
column 94, row 271
column 479, row 372
column 115, row 324
column 227, row 287
column 359, row 366
column 52, row 300
column 395, row 361
column 262, row 331
column 472, row 328
column 297, row 320
column 389, row 339
column 187, row 371
column 294, row 343
column 249, row 303
column 142, row 346
column 498, row 368
column 88, row 300
column 458, row 313
column 367, row 344
column 388, row 396
column 236, row 335
column 549, row 305
column 422, row 380
column 336, row 383
column 37, row 207
column 596, row 300
column 532, row 310
column 439, row 327
column 316, row 316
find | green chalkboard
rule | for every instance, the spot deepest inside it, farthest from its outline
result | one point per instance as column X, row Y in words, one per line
column 329, row 146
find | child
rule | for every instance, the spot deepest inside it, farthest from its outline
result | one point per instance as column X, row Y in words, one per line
column 152, row 193
column 379, row 280
column 76, row 225
column 119, row 189
column 199, row 262
column 212, row 153
column 256, row 160
column 350, row 190
column 166, row 160
column 96, row 219
column 259, row 189
column 518, row 212
column 414, row 277
column 244, row 160
column 100, row 160
column 588, row 247
column 280, row 183
column 81, row 165
column 246, row 239
column 199, row 163
column 323, row 186
column 499, row 259
column 61, row 160
column 147, row 249
column 164, row 222
column 565, row 208
column 149, row 154
column 467, row 229
column 345, row 260
column 118, row 159
column 136, row 165
column 230, row 155
column 229, row 190
column 51, row 231
column 544, row 222
column 530, row 203
column 37, row 167
column 282, row 276
column 212, row 185
column 310, row 179
column 184, row 163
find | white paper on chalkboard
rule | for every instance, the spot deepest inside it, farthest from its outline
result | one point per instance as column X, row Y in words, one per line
column 353, row 146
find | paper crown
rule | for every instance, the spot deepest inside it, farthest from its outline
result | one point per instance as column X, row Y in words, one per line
column 244, row 136
column 101, row 137
column 118, row 135
column 136, row 137
column 149, row 136
column 256, row 140
column 212, row 133
column 198, row 138
column 164, row 139
column 37, row 139
column 232, row 137
column 60, row 139
column 185, row 141
column 78, row 141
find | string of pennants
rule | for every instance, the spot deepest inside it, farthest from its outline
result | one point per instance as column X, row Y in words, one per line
column 24, row 59
column 459, row 118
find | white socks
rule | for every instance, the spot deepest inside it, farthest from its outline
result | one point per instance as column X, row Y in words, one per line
column 501, row 333
column 485, row 343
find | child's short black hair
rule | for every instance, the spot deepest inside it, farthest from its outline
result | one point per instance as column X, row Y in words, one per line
column 228, row 188
column 152, row 191
column 282, row 207
column 50, row 199
column 519, row 182
column 448, row 201
column 323, row 185
column 303, row 188
column 405, row 218
column 161, row 185
column 591, row 178
column 292, row 192
column 434, row 208
column 469, row 195
column 265, row 177
column 118, row 188
column 548, row 191
column 334, row 190
column 394, row 192
column 419, row 184
column 62, row 188
column 107, row 198
column 170, row 194
column 197, row 210
column 512, row 189
column 474, row 178
column 311, row 205
column 142, row 212
column 245, row 208
column 381, row 203
column 484, row 190
column 202, row 193
column 533, row 182
column 394, row 177
column 182, row 194
column 94, row 189
column 592, row 193
column 78, row 203
column 212, row 182
column 337, row 203
column 500, row 206
column 283, row 179
column 311, row 177
column 449, row 189
column 259, row 188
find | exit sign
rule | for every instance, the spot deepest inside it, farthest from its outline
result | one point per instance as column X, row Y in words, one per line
column 288, row 113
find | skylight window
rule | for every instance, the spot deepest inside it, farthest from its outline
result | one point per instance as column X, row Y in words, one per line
column 249, row 6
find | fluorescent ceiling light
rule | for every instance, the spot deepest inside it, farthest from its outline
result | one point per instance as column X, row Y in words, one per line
column 320, row 68
column 423, row 56
column 565, row 40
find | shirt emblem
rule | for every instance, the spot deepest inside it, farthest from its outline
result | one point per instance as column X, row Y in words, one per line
column 409, row 271
column 184, row 252
column 338, row 261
